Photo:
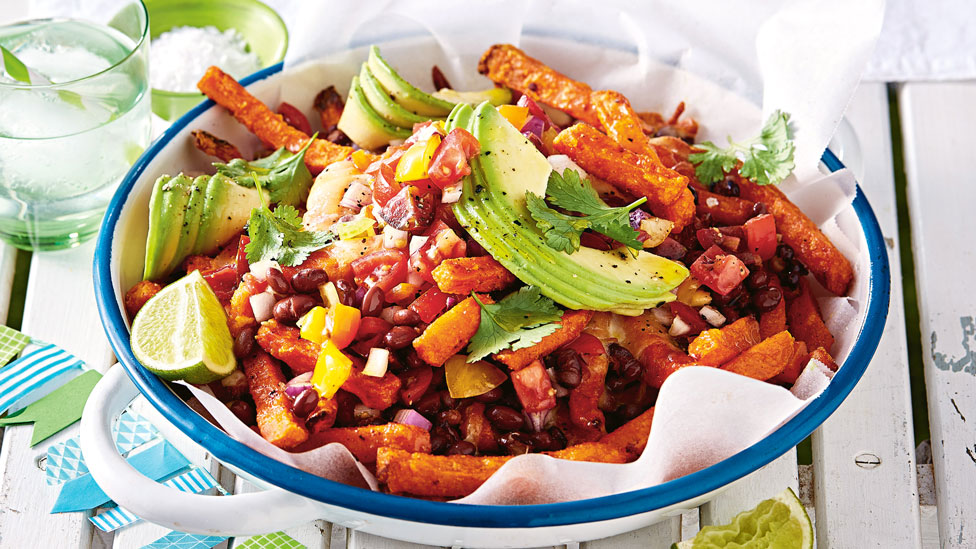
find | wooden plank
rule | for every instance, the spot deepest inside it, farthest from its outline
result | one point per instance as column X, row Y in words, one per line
column 8, row 263
column 748, row 492
column 313, row 535
column 937, row 120
column 662, row 534
column 60, row 308
column 864, row 454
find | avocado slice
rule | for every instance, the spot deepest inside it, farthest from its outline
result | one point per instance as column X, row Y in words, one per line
column 191, row 219
column 384, row 105
column 492, row 209
column 226, row 209
column 167, row 207
column 495, row 96
column 361, row 123
column 409, row 97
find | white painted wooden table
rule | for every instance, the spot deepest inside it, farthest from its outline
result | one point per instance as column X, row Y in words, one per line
column 864, row 488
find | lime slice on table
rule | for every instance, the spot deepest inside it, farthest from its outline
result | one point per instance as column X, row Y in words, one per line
column 777, row 523
column 181, row 333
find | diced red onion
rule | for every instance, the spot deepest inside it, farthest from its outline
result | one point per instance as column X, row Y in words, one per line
column 451, row 194
column 357, row 196
column 359, row 295
column 712, row 316
column 387, row 313
column 679, row 327
column 560, row 390
column 297, row 384
column 636, row 216
column 662, row 315
column 417, row 242
column 407, row 416
column 416, row 279
column 535, row 126
column 262, row 305
column 560, row 163
column 395, row 238
column 377, row 363
column 534, row 109
column 259, row 269
column 537, row 420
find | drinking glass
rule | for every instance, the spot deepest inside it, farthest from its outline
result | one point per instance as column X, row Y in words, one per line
column 70, row 130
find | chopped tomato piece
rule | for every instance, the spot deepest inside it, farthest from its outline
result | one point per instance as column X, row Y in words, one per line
column 430, row 304
column 450, row 162
column 410, row 210
column 534, row 388
column 761, row 236
column 223, row 281
column 241, row 260
column 718, row 270
column 415, row 381
column 443, row 244
column 384, row 268
column 342, row 323
column 294, row 118
column 690, row 316
column 383, row 171
column 587, row 345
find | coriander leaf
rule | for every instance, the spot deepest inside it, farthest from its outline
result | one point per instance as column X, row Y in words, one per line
column 562, row 231
column 278, row 235
column 766, row 159
column 15, row 67
column 519, row 320
column 283, row 174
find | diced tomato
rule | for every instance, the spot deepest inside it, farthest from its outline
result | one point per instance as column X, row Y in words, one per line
column 445, row 214
column 383, row 171
column 690, row 316
column 444, row 244
column 342, row 323
column 587, row 345
column 534, row 388
column 240, row 261
column 761, row 236
column 718, row 270
column 410, row 210
column 223, row 281
column 384, row 268
column 430, row 304
column 294, row 118
column 415, row 383
column 450, row 162
column 713, row 236
column 253, row 285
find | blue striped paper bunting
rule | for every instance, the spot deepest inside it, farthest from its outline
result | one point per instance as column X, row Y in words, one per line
column 32, row 371
column 195, row 482
column 179, row 540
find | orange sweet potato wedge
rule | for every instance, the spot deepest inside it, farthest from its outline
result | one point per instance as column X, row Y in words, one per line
column 267, row 125
column 621, row 123
column 631, row 437
column 812, row 247
column 378, row 393
column 798, row 361
column 214, row 146
column 329, row 105
column 285, row 344
column 138, row 295
column 773, row 321
column 509, row 66
column 725, row 210
column 572, row 324
column 824, row 357
column 450, row 332
column 804, row 320
column 457, row 476
column 364, row 442
column 463, row 275
column 584, row 400
column 764, row 360
column 660, row 359
column 276, row 422
column 717, row 346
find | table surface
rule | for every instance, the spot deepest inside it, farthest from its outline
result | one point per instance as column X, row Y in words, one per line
column 864, row 487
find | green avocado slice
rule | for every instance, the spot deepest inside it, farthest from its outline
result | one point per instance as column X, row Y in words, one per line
column 226, row 208
column 191, row 219
column 364, row 125
column 495, row 96
column 384, row 105
column 167, row 206
column 408, row 96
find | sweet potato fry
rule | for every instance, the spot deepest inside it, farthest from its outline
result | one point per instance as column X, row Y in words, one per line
column 635, row 174
column 824, row 357
column 464, row 275
column 276, row 422
column 458, row 476
column 450, row 332
column 138, row 295
column 202, row 263
column 270, row 127
column 323, row 417
column 725, row 210
column 329, row 104
column 621, row 123
column 717, row 346
column 212, row 145
column 285, row 344
column 774, row 321
column 477, row 430
column 804, row 320
column 764, row 360
column 660, row 359
column 798, row 361
column 812, row 247
column 572, row 324
column 239, row 312
column 631, row 437
column 376, row 392
column 584, row 400
column 509, row 66
column 363, row 442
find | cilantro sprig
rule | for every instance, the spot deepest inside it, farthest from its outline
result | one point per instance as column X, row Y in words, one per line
column 519, row 320
column 282, row 173
column 766, row 159
column 562, row 231
column 278, row 235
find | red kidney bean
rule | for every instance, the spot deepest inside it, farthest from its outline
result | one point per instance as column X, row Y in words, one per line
column 373, row 302
column 624, row 362
column 305, row 403
column 370, row 327
column 308, row 280
column 491, row 396
column 290, row 309
column 449, row 417
column 399, row 337
column 406, row 317
column 568, row 367
column 504, row 418
column 463, row 448
column 346, row 291
column 278, row 282
column 244, row 342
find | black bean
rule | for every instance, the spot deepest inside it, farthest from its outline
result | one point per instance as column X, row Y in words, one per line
column 243, row 410
column 439, row 443
column 758, row 208
column 305, row 403
column 406, row 317
column 290, row 309
column 449, row 417
column 624, row 363
column 447, row 400
column 399, row 337
column 541, row 441
column 568, row 368
column 307, row 281
column 278, row 282
column 346, row 291
column 799, row 268
column 767, row 298
column 429, row 405
column 790, row 279
column 373, row 301
column 785, row 252
column 504, row 418
column 491, row 396
column 413, row 360
column 463, row 448
column 244, row 342
column 726, row 187
column 758, row 278
column 694, row 193
column 511, row 443
column 615, row 382
column 558, row 437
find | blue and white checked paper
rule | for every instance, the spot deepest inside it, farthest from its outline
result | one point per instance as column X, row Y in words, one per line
column 65, row 461
column 195, row 481
column 179, row 540
column 132, row 431
column 33, row 370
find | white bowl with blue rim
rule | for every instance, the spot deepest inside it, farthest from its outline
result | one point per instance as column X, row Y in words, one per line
column 292, row 496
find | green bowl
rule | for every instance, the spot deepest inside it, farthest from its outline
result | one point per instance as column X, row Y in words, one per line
column 261, row 27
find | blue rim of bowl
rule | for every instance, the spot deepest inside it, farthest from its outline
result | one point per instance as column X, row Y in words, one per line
column 232, row 452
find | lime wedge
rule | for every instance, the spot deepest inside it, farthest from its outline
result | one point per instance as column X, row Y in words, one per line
column 777, row 523
column 181, row 333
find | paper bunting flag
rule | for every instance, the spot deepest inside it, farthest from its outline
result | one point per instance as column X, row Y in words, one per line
column 195, row 481
column 276, row 540
column 64, row 461
column 156, row 462
column 12, row 343
column 132, row 431
column 32, row 371
column 58, row 409
column 179, row 540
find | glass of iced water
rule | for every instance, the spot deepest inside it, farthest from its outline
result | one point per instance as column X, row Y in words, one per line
column 74, row 115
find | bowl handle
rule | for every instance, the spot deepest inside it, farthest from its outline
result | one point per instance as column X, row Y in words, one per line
column 245, row 514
